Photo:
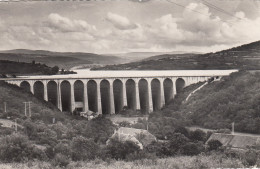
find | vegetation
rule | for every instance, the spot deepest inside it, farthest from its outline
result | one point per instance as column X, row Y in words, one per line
column 236, row 99
column 245, row 57
column 13, row 68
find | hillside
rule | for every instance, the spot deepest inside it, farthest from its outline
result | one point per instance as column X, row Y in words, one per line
column 22, row 68
column 64, row 60
column 15, row 98
column 235, row 98
column 246, row 57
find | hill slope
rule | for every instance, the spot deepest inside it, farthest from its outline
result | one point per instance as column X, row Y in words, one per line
column 235, row 98
column 22, row 68
column 243, row 57
column 64, row 60
column 14, row 98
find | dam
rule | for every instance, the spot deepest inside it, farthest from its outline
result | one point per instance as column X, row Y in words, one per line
column 108, row 92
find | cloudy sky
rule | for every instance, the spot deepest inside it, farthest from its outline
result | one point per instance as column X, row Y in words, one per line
column 117, row 26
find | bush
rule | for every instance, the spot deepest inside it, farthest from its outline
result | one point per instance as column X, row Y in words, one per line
column 198, row 135
column 18, row 148
column 83, row 149
column 119, row 150
column 99, row 129
column 250, row 158
column 191, row 149
column 60, row 160
column 214, row 145
column 182, row 130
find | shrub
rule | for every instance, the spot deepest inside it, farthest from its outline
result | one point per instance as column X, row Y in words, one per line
column 83, row 149
column 18, row 148
column 214, row 145
column 124, row 124
column 60, row 160
column 250, row 158
column 63, row 148
column 182, row 130
column 99, row 129
column 198, row 135
column 119, row 150
column 191, row 149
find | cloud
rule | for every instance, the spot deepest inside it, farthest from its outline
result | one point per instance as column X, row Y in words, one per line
column 67, row 25
column 120, row 22
column 187, row 31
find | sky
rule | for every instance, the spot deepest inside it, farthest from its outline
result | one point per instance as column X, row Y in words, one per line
column 121, row 26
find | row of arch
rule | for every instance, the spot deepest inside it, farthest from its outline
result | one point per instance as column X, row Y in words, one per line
column 108, row 96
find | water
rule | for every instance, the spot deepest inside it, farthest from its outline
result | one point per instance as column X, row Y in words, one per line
column 86, row 73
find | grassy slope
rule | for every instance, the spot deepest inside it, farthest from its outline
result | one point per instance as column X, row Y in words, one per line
column 242, row 57
column 14, row 98
column 233, row 99
column 192, row 162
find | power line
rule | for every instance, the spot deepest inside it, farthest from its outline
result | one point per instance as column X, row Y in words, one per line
column 195, row 11
column 210, row 5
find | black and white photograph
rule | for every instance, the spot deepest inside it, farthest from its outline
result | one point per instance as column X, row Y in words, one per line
column 129, row 84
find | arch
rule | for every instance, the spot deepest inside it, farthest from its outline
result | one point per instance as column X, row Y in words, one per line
column 92, row 95
column 79, row 94
column 38, row 89
column 52, row 92
column 26, row 86
column 105, row 96
column 65, row 95
column 168, row 90
column 143, row 94
column 118, row 95
column 156, row 94
column 131, row 94
column 180, row 84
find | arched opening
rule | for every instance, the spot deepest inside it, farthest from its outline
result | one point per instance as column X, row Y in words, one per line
column 25, row 86
column 118, row 95
column 65, row 95
column 168, row 90
column 52, row 92
column 79, row 95
column 180, row 84
column 92, row 95
column 105, row 96
column 131, row 94
column 143, row 93
column 156, row 94
column 38, row 89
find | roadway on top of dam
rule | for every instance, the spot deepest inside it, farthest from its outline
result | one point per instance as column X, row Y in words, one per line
column 88, row 74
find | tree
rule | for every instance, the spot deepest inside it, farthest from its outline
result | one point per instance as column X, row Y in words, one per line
column 83, row 149
column 55, row 69
column 18, row 148
column 214, row 145
column 119, row 150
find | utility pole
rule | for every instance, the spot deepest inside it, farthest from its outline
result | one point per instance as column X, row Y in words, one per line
column 29, row 108
column 233, row 128
column 5, row 107
column 25, row 113
column 30, row 113
column 15, row 125
column 147, row 123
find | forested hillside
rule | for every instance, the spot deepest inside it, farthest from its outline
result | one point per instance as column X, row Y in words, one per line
column 246, row 57
column 22, row 68
column 235, row 98
column 65, row 60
